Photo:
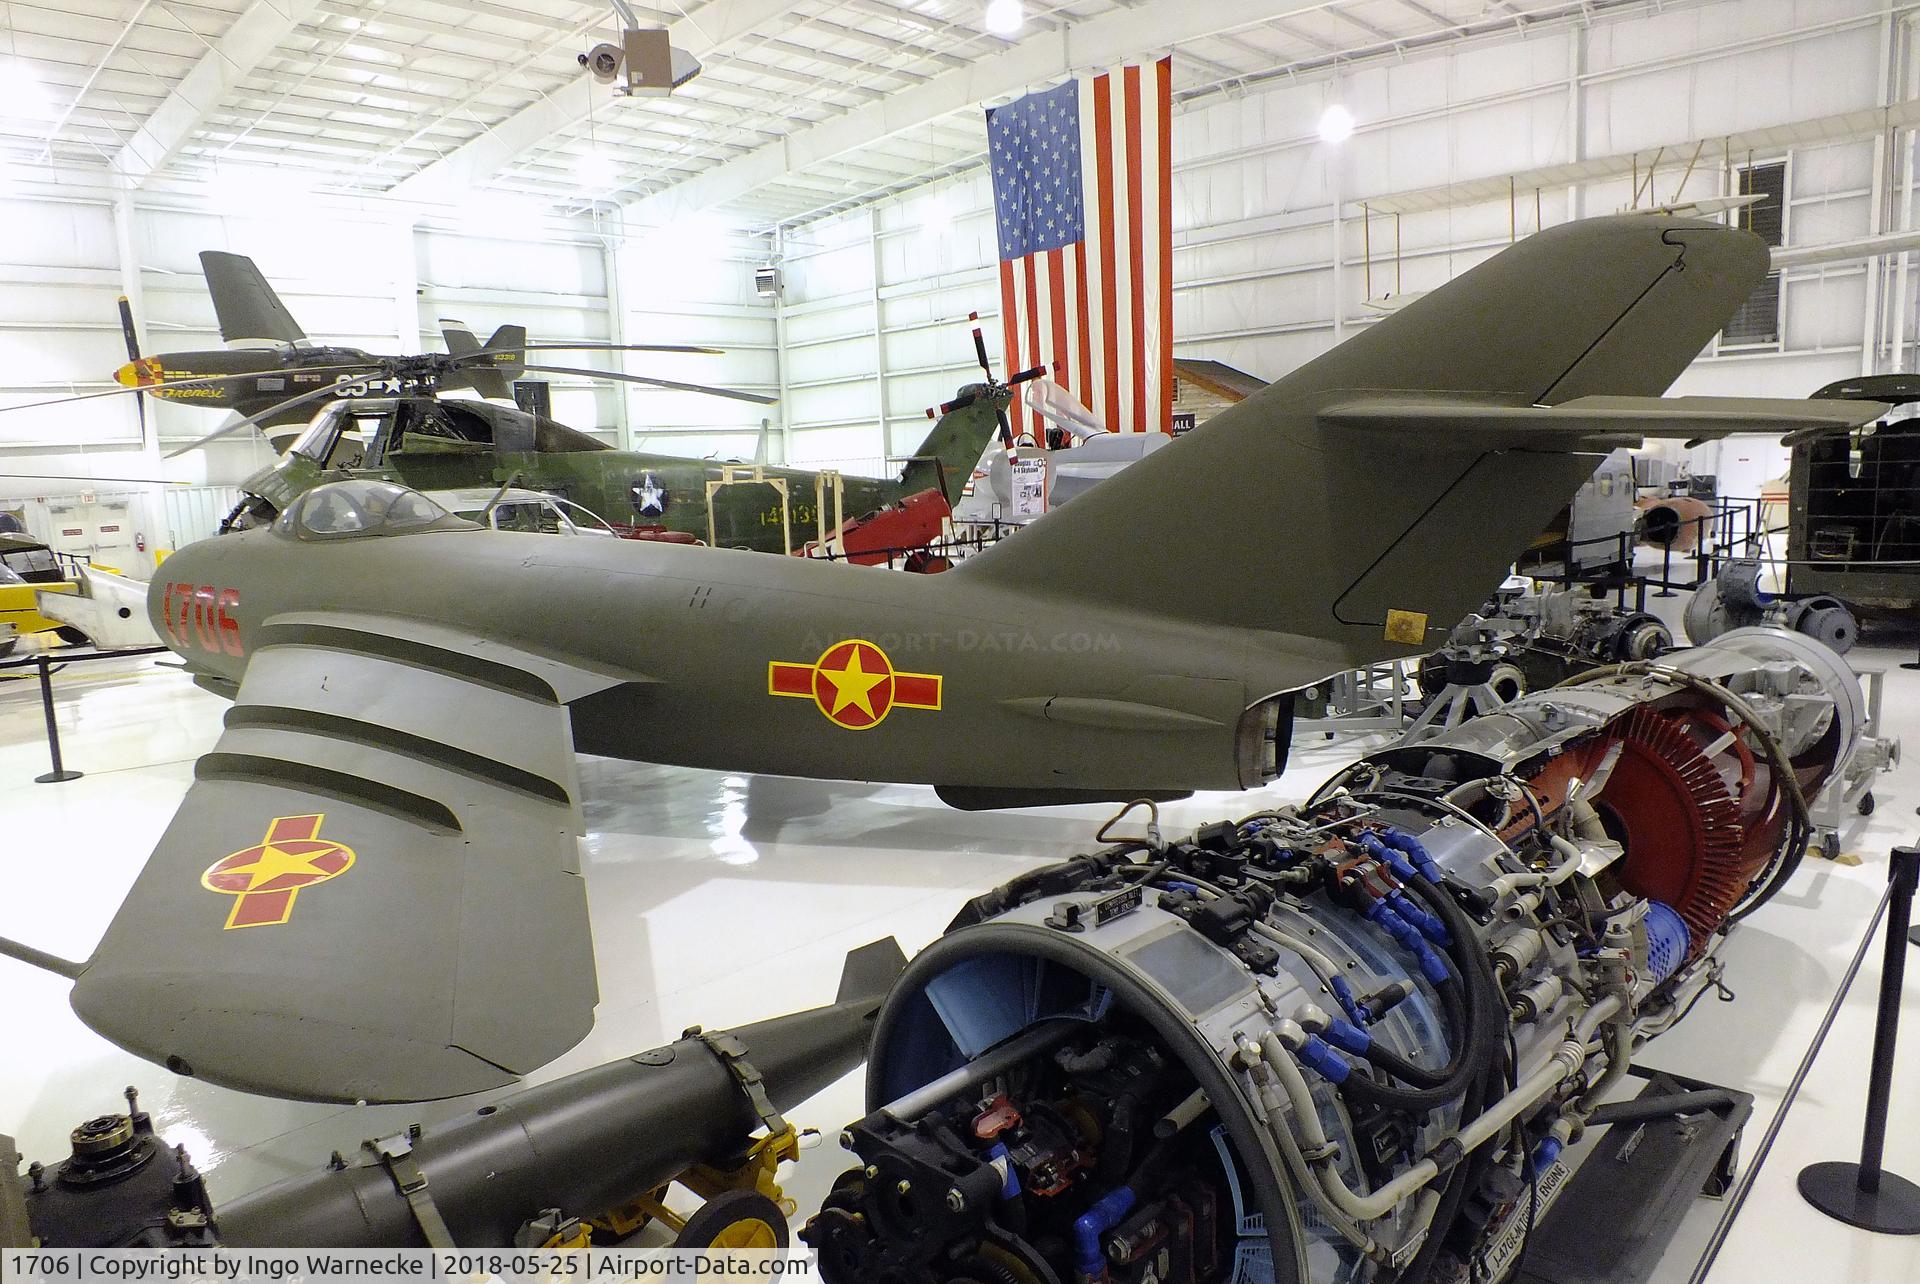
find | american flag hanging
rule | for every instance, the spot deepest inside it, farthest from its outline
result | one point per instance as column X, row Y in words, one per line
column 1083, row 195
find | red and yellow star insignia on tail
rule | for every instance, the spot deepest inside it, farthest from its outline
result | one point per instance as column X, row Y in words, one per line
column 266, row 877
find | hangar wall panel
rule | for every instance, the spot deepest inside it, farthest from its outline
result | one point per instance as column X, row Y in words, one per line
column 694, row 285
column 1254, row 190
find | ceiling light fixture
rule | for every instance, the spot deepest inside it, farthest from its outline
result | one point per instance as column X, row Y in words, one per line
column 1336, row 125
column 596, row 171
column 1005, row 17
column 23, row 96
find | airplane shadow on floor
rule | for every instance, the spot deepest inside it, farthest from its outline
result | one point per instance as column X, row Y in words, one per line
column 628, row 798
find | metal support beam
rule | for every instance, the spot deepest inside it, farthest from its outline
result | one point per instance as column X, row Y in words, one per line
column 249, row 42
column 610, row 264
column 406, row 286
column 879, row 325
column 781, row 348
column 712, row 26
column 94, row 75
column 1098, row 42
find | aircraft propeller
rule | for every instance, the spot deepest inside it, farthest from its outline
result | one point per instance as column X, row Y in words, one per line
column 133, row 356
column 993, row 385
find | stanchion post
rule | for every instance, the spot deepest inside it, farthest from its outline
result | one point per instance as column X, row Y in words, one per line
column 59, row 772
column 1864, row 1194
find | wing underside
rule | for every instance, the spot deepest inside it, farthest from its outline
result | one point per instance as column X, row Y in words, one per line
column 371, row 891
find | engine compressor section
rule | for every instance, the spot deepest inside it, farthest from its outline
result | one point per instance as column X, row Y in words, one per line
column 1340, row 1041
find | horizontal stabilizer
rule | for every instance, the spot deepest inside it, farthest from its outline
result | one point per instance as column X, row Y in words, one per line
column 1601, row 422
column 1397, row 475
column 369, row 892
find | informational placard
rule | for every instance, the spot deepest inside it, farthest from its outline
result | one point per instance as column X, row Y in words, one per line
column 1029, row 487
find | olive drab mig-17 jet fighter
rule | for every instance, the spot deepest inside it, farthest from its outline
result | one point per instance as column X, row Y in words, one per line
column 372, row 889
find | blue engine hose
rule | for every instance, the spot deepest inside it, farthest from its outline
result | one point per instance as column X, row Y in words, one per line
column 1405, row 870
column 1414, row 851
column 1089, row 1263
column 1472, row 1003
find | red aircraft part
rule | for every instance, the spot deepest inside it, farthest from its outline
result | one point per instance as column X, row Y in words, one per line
column 1685, row 842
column 657, row 535
column 1699, row 812
column 913, row 523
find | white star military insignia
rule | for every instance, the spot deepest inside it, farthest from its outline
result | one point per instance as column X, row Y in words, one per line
column 649, row 497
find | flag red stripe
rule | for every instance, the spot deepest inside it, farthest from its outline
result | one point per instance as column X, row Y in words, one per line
column 1032, row 358
column 1010, row 339
column 1136, row 259
column 1109, row 278
column 1085, row 326
column 1164, row 77
column 1057, row 288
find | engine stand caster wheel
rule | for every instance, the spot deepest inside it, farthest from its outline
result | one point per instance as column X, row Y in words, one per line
column 1865, row 805
column 1721, row 1180
column 735, row 1219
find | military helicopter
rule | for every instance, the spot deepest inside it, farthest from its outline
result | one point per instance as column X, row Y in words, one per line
column 428, row 443
column 372, row 887
column 380, row 418
column 272, row 375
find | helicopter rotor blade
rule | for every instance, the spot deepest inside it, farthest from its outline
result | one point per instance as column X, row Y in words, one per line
column 251, row 420
column 980, row 345
column 672, row 384
column 132, row 481
column 199, row 381
column 699, row 348
column 491, row 350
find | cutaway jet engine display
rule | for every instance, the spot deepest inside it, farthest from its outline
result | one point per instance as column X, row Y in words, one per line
column 1347, row 1040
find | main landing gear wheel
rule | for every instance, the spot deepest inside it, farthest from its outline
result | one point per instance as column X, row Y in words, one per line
column 735, row 1219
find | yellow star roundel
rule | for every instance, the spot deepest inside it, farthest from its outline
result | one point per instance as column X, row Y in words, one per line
column 854, row 684
column 264, row 879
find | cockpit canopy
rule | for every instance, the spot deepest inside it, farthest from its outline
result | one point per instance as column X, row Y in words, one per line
column 362, row 508
column 366, row 432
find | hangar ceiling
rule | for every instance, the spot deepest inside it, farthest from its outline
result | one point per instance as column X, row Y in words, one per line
column 802, row 108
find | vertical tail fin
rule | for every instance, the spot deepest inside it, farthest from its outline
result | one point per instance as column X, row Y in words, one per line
column 871, row 970
column 509, row 346
column 508, row 359
column 1282, row 515
column 957, row 439
column 250, row 312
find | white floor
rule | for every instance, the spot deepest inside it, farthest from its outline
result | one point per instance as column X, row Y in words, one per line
column 721, row 899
